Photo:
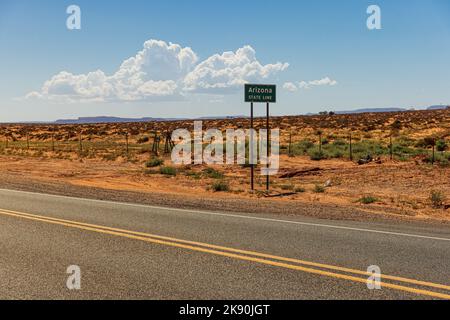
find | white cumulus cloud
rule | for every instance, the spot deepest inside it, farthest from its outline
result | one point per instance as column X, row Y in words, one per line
column 160, row 71
column 229, row 71
column 291, row 86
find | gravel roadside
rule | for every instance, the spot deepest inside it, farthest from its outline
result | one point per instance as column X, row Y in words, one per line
column 315, row 210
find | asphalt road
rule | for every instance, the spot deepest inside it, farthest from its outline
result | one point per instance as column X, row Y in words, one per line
column 128, row 251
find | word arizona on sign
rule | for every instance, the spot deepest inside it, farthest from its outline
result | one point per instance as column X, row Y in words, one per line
column 260, row 93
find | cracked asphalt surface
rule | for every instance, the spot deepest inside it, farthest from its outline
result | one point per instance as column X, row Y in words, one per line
column 34, row 254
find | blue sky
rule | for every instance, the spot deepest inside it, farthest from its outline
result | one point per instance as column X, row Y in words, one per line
column 335, row 61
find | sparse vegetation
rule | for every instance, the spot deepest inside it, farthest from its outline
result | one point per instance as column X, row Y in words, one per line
column 212, row 173
column 368, row 200
column 414, row 134
column 319, row 188
column 155, row 162
column 317, row 155
column 168, row 171
column 143, row 140
column 287, row 187
column 193, row 175
column 441, row 145
column 221, row 186
column 437, row 199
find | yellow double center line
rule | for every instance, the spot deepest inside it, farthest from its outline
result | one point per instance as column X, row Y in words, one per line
column 267, row 259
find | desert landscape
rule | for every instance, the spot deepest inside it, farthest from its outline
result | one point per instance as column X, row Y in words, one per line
column 382, row 164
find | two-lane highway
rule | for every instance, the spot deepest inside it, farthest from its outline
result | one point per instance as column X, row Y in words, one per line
column 128, row 251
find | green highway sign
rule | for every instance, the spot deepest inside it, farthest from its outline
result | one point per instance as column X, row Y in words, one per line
column 260, row 93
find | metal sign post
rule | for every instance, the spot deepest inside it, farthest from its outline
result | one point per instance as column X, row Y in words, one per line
column 252, row 165
column 267, row 148
column 261, row 93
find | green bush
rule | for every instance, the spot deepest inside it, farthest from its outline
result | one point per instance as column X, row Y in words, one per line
column 368, row 200
column 317, row 155
column 441, row 145
column 155, row 162
column 193, row 175
column 168, row 171
column 302, row 147
column 319, row 188
column 221, row 186
column 143, row 140
column 212, row 173
column 339, row 142
column 299, row 190
column 437, row 199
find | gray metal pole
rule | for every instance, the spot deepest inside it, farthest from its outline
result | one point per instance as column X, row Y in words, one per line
column 267, row 149
column 252, row 165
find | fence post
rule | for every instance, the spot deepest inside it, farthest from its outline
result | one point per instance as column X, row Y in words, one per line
column 53, row 142
column 391, row 147
column 28, row 141
column 126, row 140
column 351, row 148
column 433, row 158
column 319, row 132
column 155, row 146
column 290, row 144
column 81, row 144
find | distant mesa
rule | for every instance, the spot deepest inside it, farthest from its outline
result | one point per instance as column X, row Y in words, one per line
column 381, row 110
column 106, row 119
column 439, row 107
column 372, row 110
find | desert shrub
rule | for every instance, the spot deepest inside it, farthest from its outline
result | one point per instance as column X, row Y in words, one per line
column 302, row 147
column 287, row 187
column 368, row 200
column 437, row 199
column 143, row 140
column 426, row 142
column 155, row 162
column 441, row 145
column 299, row 190
column 444, row 163
column 404, row 141
column 319, row 188
column 364, row 148
column 151, row 171
column 168, row 171
column 220, row 186
column 194, row 175
column 334, row 151
column 212, row 173
column 316, row 155
column 438, row 158
column 339, row 142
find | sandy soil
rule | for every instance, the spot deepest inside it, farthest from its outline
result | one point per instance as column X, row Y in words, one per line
column 98, row 159
column 402, row 189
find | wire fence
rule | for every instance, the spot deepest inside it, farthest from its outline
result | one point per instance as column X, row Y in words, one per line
column 318, row 147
